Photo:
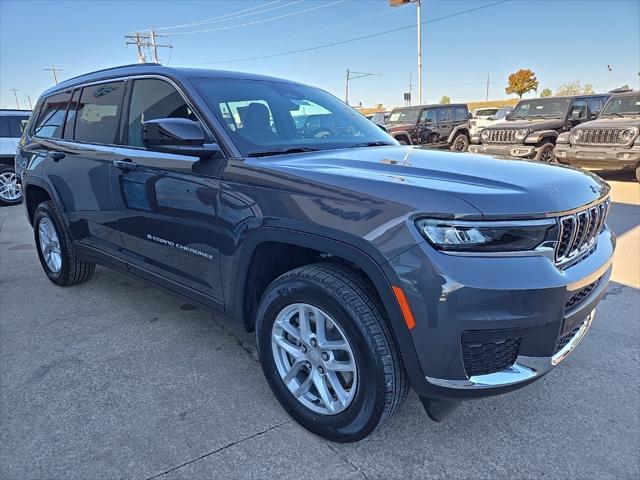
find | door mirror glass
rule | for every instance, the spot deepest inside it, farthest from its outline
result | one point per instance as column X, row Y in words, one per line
column 177, row 135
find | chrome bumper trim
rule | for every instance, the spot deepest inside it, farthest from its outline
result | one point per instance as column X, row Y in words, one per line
column 524, row 369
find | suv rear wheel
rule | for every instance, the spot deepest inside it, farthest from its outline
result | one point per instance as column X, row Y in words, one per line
column 460, row 143
column 327, row 352
column 55, row 249
column 10, row 193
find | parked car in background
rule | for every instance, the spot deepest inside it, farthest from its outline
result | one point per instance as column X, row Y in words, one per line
column 439, row 126
column 485, row 117
column 12, row 123
column 531, row 129
column 379, row 118
column 363, row 266
column 611, row 142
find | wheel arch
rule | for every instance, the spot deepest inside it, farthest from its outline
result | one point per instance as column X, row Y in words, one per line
column 36, row 192
column 459, row 129
column 245, row 303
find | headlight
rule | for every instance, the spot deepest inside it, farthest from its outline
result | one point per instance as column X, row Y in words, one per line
column 485, row 134
column 576, row 135
column 627, row 135
column 461, row 236
column 522, row 134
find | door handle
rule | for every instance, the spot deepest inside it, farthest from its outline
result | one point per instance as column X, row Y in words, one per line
column 125, row 164
column 57, row 156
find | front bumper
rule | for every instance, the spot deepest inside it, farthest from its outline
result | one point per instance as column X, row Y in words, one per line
column 491, row 299
column 603, row 157
column 509, row 150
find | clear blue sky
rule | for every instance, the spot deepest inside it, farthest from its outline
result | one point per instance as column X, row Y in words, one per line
column 561, row 41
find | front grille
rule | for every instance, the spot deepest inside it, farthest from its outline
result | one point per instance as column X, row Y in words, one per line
column 501, row 136
column 489, row 357
column 566, row 338
column 578, row 232
column 602, row 136
column 580, row 295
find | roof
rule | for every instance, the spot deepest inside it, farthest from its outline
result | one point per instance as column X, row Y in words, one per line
column 433, row 105
column 157, row 69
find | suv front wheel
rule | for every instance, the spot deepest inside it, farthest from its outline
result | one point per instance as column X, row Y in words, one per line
column 545, row 153
column 460, row 143
column 55, row 249
column 327, row 351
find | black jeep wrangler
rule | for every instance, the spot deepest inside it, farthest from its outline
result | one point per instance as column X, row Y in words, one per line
column 531, row 130
column 612, row 142
column 440, row 126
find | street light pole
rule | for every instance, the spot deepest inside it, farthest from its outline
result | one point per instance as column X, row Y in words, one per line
column 419, row 25
column 351, row 75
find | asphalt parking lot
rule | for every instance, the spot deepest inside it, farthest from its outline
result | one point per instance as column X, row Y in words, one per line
column 117, row 379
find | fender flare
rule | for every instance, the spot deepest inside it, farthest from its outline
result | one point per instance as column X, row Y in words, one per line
column 460, row 128
column 402, row 132
column 53, row 194
column 369, row 262
column 541, row 135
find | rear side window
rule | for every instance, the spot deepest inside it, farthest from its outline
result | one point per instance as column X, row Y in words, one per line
column 16, row 125
column 444, row 115
column 98, row 113
column 4, row 128
column 461, row 114
column 152, row 99
column 51, row 118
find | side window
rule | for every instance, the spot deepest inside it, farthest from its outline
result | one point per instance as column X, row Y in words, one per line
column 596, row 104
column 51, row 118
column 99, row 112
column 444, row 115
column 152, row 99
column 428, row 116
column 70, row 123
column 461, row 114
column 4, row 128
column 16, row 125
column 579, row 109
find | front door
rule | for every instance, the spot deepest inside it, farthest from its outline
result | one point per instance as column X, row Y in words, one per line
column 445, row 123
column 167, row 215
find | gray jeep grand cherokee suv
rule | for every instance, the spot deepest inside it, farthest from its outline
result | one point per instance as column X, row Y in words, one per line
column 363, row 266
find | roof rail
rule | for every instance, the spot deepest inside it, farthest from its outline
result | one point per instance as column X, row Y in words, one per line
column 153, row 64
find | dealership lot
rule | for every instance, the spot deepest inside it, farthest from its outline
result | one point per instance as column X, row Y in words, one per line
column 117, row 379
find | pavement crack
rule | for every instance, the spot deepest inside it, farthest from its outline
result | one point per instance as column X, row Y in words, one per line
column 347, row 461
column 254, row 435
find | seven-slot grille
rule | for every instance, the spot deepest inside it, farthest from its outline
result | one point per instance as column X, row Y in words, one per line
column 578, row 232
column 501, row 136
column 602, row 136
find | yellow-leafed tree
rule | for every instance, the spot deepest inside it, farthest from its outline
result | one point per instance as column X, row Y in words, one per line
column 521, row 82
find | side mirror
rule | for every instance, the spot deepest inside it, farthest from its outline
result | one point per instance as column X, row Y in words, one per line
column 490, row 118
column 594, row 114
column 507, row 116
column 178, row 136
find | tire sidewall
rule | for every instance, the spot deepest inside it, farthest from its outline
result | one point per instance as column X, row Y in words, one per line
column 457, row 139
column 366, row 408
column 4, row 169
column 546, row 146
column 43, row 211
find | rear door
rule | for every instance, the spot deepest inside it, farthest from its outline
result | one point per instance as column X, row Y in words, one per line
column 167, row 216
column 445, row 123
column 79, row 159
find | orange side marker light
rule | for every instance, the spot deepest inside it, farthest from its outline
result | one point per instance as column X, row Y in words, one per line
column 404, row 307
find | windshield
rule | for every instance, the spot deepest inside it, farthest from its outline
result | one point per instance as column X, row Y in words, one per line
column 269, row 117
column 627, row 105
column 542, row 108
column 486, row 112
column 404, row 115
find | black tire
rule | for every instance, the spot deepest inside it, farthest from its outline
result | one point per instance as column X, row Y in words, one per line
column 403, row 140
column 7, row 170
column 460, row 143
column 349, row 299
column 72, row 270
column 545, row 153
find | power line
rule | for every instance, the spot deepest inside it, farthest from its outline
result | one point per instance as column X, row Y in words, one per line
column 363, row 37
column 229, row 27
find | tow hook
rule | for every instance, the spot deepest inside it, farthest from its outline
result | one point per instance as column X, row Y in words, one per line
column 439, row 410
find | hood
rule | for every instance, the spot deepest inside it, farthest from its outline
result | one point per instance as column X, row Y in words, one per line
column 497, row 188
column 534, row 125
column 396, row 127
column 613, row 122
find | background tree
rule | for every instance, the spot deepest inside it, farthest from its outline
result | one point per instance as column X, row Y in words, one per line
column 445, row 100
column 546, row 93
column 574, row 88
column 521, row 82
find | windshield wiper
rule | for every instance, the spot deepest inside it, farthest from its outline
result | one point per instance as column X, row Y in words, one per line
column 371, row 144
column 281, row 151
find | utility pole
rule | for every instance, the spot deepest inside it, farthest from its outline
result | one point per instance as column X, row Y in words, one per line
column 146, row 40
column 155, row 46
column 410, row 88
column 487, row 98
column 419, row 13
column 138, row 41
column 14, row 90
column 351, row 75
column 53, row 72
column 29, row 98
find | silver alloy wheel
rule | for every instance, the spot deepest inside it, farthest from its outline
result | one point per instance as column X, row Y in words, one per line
column 314, row 358
column 9, row 188
column 50, row 245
